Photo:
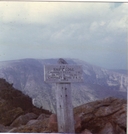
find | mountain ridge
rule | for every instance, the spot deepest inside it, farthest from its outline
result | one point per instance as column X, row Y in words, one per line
column 27, row 75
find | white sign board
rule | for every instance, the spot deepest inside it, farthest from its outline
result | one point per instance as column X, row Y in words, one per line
column 63, row 73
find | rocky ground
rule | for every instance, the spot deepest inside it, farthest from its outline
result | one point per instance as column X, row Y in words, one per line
column 17, row 114
column 107, row 116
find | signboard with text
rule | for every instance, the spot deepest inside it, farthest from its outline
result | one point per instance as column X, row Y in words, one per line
column 63, row 73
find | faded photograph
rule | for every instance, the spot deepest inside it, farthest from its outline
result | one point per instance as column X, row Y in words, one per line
column 63, row 67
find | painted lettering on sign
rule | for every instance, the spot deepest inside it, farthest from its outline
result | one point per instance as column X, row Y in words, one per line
column 63, row 73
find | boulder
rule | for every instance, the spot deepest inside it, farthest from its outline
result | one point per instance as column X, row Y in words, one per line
column 23, row 119
column 37, row 126
column 107, row 116
column 4, row 128
column 43, row 116
column 103, row 116
column 86, row 131
column 52, row 124
column 42, row 124
column 111, row 129
column 77, row 121
column 32, row 122
column 120, row 116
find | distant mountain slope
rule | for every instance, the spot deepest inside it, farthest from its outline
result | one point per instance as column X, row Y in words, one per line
column 120, row 71
column 28, row 76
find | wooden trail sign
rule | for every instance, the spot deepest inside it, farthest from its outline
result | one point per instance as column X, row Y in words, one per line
column 63, row 75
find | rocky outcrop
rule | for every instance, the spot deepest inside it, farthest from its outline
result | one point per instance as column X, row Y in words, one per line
column 107, row 116
column 8, row 113
column 23, row 119
column 41, row 124
column 52, row 124
column 33, row 126
column 16, row 109
column 103, row 117
column 4, row 128
column 13, row 97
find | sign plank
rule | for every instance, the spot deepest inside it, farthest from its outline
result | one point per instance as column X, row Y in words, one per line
column 63, row 73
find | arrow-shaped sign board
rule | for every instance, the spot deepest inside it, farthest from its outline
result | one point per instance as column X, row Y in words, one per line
column 63, row 73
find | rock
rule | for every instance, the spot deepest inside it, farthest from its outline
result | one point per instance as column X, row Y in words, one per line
column 62, row 61
column 14, row 97
column 42, row 124
column 37, row 126
column 4, row 128
column 23, row 119
column 107, row 116
column 120, row 116
column 11, row 98
column 108, row 128
column 32, row 122
column 13, row 104
column 43, row 116
column 109, row 106
column 52, row 124
column 10, row 115
column 111, row 129
column 103, row 116
column 77, row 120
column 86, row 131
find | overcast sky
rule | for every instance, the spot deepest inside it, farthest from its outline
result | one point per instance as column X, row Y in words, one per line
column 94, row 32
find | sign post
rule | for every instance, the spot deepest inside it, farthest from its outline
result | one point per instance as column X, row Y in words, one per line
column 63, row 75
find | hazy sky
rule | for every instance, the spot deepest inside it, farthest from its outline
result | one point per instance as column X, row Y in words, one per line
column 94, row 32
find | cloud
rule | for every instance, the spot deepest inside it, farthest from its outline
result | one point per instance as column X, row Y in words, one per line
column 66, row 29
column 65, row 20
column 58, row 13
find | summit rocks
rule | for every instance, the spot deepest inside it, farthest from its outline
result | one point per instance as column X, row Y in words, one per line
column 17, row 114
column 103, row 116
column 16, row 109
